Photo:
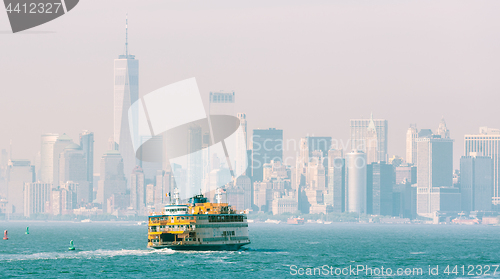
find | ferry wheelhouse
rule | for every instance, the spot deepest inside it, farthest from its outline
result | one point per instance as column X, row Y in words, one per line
column 199, row 225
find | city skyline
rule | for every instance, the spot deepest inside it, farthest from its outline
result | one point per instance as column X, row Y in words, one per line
column 169, row 63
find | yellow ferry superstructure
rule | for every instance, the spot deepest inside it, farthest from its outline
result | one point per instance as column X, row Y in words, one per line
column 199, row 225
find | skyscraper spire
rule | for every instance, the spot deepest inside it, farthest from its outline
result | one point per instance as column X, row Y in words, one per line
column 443, row 130
column 126, row 35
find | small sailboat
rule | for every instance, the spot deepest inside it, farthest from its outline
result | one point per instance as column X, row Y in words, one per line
column 27, row 230
column 5, row 235
column 71, row 246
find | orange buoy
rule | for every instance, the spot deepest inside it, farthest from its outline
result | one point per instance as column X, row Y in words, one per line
column 5, row 235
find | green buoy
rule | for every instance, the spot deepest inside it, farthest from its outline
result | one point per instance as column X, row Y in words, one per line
column 27, row 230
column 71, row 246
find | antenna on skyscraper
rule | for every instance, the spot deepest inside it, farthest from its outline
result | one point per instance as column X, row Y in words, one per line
column 126, row 35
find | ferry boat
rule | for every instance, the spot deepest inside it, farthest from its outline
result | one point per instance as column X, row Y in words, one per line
column 295, row 221
column 199, row 225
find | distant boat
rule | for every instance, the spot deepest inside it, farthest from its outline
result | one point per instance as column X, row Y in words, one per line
column 295, row 221
column 269, row 221
column 142, row 223
column 465, row 221
column 319, row 221
column 250, row 221
column 86, row 221
column 327, row 222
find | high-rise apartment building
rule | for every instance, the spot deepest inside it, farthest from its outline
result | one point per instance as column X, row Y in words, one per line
column 36, row 198
column 487, row 143
column 359, row 133
column 150, row 195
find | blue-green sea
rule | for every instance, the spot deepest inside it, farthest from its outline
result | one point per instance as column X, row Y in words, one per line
column 118, row 250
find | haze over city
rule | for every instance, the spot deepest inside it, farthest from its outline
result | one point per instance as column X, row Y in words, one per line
column 265, row 138
column 306, row 68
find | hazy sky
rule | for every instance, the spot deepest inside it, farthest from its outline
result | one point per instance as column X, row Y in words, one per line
column 306, row 67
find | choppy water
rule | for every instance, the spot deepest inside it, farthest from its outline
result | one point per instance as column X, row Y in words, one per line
column 119, row 250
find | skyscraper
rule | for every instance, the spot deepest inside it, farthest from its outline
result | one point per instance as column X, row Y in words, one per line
column 47, row 157
column 87, row 146
column 163, row 186
column 435, row 162
column 241, row 138
column 61, row 143
column 322, row 144
column 434, row 174
column 221, row 103
column 359, row 132
column 443, row 130
column 194, row 159
column 335, row 195
column 150, row 168
column 380, row 177
column 112, row 179
column 372, row 144
column 137, row 190
column 356, row 181
column 36, row 197
column 73, row 167
column 487, row 143
column 476, row 182
column 411, row 144
column 19, row 173
column 126, row 92
column 267, row 145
